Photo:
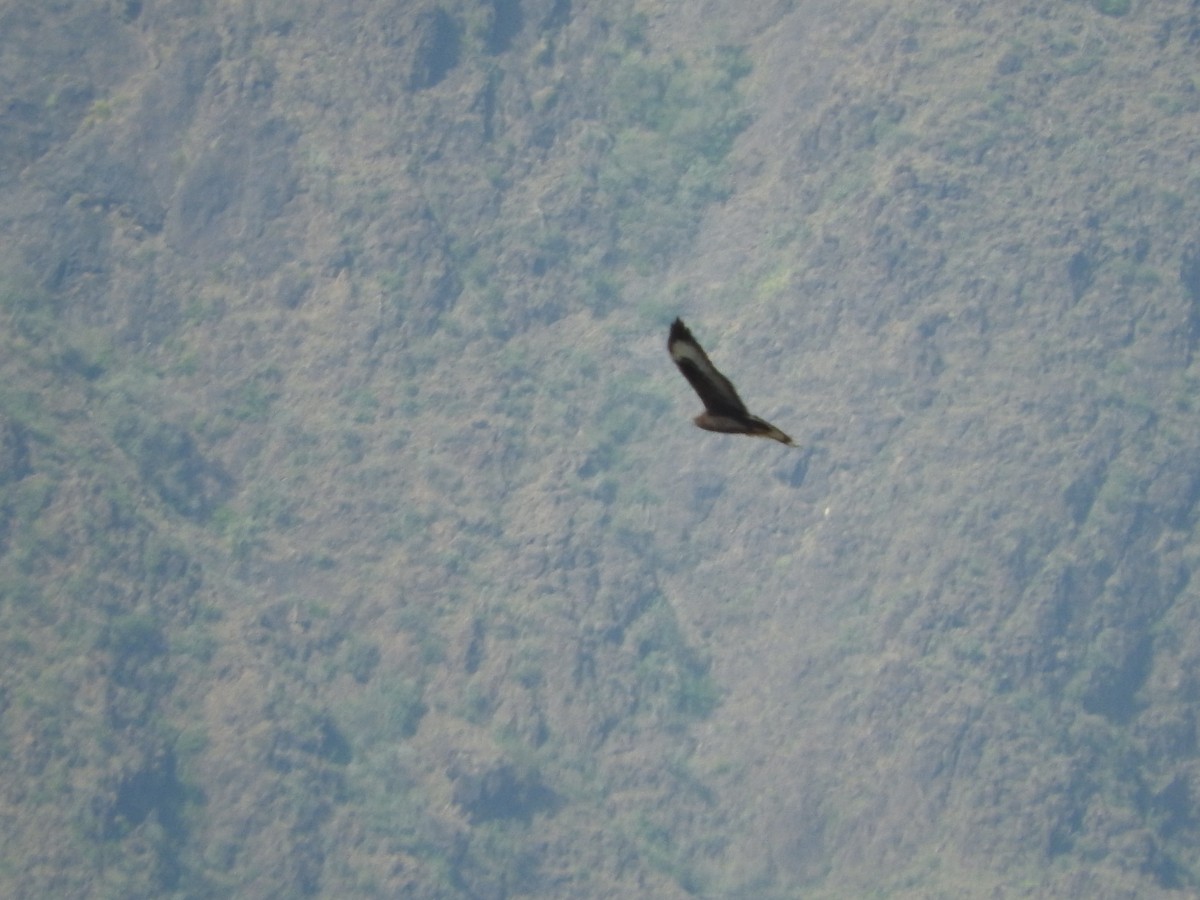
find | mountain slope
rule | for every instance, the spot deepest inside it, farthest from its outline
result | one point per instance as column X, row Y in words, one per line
column 354, row 540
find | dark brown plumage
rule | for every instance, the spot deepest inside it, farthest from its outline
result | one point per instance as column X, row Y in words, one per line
column 724, row 410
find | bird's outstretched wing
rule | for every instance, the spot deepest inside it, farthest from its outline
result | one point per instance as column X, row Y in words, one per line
column 719, row 396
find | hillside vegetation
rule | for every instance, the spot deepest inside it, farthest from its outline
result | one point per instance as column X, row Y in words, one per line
column 354, row 539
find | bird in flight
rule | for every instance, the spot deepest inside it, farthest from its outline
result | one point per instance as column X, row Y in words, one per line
column 724, row 410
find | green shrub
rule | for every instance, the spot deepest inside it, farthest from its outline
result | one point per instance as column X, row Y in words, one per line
column 1112, row 7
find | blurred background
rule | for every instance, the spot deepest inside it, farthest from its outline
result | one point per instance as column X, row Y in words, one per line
column 355, row 540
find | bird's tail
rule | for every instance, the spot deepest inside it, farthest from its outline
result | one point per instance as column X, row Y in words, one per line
column 765, row 429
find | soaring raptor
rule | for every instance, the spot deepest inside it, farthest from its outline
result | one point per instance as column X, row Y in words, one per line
column 723, row 409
